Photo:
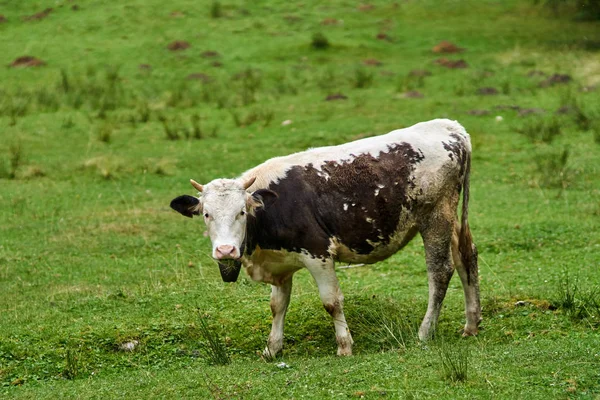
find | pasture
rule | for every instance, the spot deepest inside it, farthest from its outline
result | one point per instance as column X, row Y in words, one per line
column 105, row 292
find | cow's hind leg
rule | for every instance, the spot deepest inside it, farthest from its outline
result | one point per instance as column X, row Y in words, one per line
column 469, row 276
column 333, row 300
column 436, row 231
column 280, row 299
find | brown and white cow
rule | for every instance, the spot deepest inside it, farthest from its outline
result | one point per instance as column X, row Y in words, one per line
column 358, row 202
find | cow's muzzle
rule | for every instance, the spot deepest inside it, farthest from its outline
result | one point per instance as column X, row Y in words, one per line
column 230, row 269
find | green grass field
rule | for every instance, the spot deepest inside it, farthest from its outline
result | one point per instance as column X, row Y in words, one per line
column 95, row 143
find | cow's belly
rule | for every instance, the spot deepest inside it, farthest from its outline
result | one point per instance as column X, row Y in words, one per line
column 381, row 250
column 271, row 266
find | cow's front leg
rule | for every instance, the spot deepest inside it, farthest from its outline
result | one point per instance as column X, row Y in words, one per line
column 280, row 299
column 333, row 300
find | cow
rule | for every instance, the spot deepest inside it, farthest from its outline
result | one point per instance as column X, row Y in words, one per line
column 358, row 202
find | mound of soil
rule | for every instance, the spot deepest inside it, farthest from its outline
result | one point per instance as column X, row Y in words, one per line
column 383, row 36
column 2, row 19
column 555, row 80
column 372, row 62
column 38, row 16
column 487, row 91
column 446, row 47
column 209, row 54
column 336, row 96
column 330, row 21
column 27, row 61
column 478, row 112
column 529, row 111
column 178, row 45
column 419, row 73
column 452, row 64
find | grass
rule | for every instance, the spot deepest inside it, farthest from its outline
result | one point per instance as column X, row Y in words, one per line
column 96, row 143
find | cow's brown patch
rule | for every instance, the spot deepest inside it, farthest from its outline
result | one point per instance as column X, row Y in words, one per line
column 27, row 61
column 38, row 16
column 178, row 45
column 447, row 48
column 336, row 96
column 452, row 64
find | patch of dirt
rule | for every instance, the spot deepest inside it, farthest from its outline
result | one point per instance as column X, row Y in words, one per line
column 478, row 112
column 216, row 64
column 145, row 67
column 177, row 14
column 27, row 61
column 383, row 36
column 529, row 111
column 487, row 91
column 446, row 47
column 38, row 16
column 507, row 107
column 2, row 19
column 534, row 72
column 331, row 21
column 372, row 62
column 387, row 73
column 412, row 94
column 336, row 96
column 210, row 54
column 452, row 64
column 365, row 7
column 199, row 76
column 556, row 79
column 178, row 45
column 419, row 73
column 564, row 110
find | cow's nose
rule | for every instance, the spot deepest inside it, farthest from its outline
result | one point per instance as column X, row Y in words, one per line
column 225, row 251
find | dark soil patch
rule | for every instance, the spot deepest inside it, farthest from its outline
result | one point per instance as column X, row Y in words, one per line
column 331, row 21
column 199, row 76
column 2, row 19
column 366, row 7
column 507, row 107
column 177, row 14
column 383, row 36
column 534, row 73
column 478, row 112
column 452, row 64
column 210, row 54
column 38, row 16
column 529, row 111
column 412, row 94
column 446, row 47
column 419, row 73
column 487, row 91
column 372, row 62
column 27, row 61
column 564, row 110
column 75, row 7
column 216, row 64
column 336, row 96
column 556, row 79
column 178, row 45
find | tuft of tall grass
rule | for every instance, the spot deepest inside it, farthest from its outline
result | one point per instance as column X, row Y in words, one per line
column 578, row 302
column 454, row 359
column 72, row 367
column 9, row 168
column 216, row 11
column 541, row 130
column 213, row 348
column 362, row 78
column 553, row 170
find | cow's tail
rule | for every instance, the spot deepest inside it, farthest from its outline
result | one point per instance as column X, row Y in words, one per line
column 466, row 248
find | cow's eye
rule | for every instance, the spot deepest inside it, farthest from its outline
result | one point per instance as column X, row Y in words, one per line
column 242, row 213
column 205, row 215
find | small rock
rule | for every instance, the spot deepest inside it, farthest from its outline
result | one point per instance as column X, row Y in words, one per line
column 27, row 61
column 522, row 303
column 128, row 346
column 555, row 80
column 336, row 96
column 282, row 365
column 446, row 48
column 178, row 45
column 499, row 118
column 452, row 64
column 487, row 91
column 286, row 122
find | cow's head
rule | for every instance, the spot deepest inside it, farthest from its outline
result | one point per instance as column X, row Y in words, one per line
column 225, row 205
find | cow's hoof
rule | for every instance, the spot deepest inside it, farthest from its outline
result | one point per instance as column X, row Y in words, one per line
column 470, row 331
column 344, row 351
column 270, row 354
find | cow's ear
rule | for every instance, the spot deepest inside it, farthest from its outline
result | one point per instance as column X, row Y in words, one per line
column 263, row 198
column 186, row 205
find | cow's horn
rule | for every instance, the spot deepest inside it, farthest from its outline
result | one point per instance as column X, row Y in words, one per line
column 196, row 185
column 249, row 183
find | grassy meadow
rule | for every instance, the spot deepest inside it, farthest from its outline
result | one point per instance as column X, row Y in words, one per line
column 107, row 293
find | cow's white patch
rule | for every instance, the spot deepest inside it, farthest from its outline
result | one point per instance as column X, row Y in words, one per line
column 426, row 137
